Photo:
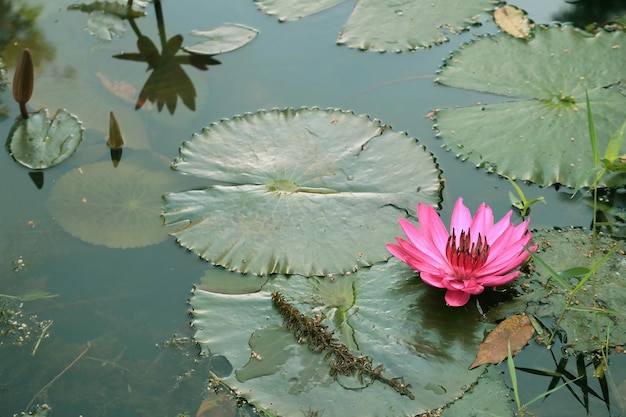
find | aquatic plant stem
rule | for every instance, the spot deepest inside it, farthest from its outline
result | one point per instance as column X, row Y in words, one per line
column 41, row 336
column 45, row 387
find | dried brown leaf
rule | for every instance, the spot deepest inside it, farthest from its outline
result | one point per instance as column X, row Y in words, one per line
column 517, row 329
column 512, row 21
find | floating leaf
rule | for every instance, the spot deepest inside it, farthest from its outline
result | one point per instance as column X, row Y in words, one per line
column 515, row 331
column 224, row 38
column 310, row 191
column 384, row 312
column 391, row 26
column 598, row 306
column 512, row 21
column 543, row 137
column 396, row 26
column 40, row 143
column 489, row 397
column 292, row 10
column 115, row 207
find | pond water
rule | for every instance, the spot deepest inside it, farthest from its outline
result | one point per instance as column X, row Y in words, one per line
column 107, row 329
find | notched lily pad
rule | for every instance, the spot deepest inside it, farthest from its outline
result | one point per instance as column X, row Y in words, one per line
column 384, row 313
column 308, row 191
column 115, row 207
column 542, row 135
column 39, row 142
column 292, row 10
column 396, row 26
column 224, row 38
column 597, row 308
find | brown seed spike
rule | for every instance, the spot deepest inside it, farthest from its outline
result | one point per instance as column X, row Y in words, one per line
column 24, row 81
column 115, row 140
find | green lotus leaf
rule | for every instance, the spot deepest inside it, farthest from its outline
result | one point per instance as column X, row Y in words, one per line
column 541, row 136
column 598, row 306
column 308, row 192
column 292, row 10
column 224, row 38
column 410, row 24
column 489, row 397
column 391, row 26
column 384, row 312
column 39, row 142
column 115, row 207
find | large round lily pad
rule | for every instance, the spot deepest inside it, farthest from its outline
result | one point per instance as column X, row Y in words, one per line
column 542, row 135
column 115, row 207
column 39, row 142
column 598, row 306
column 308, row 191
column 385, row 313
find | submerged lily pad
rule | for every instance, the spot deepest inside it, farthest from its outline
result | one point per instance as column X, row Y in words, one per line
column 385, row 313
column 307, row 191
column 40, row 143
column 224, row 38
column 115, row 207
column 598, row 307
column 542, row 135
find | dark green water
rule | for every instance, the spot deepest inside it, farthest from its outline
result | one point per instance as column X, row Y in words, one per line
column 122, row 312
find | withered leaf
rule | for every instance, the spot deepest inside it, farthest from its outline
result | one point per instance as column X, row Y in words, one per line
column 513, row 21
column 516, row 329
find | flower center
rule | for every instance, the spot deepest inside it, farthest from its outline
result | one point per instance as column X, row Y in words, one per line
column 466, row 257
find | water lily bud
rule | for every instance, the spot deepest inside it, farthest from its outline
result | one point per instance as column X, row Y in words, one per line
column 24, row 81
column 115, row 141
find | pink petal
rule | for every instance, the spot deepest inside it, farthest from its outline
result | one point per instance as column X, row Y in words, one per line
column 461, row 217
column 433, row 227
column 456, row 298
column 434, row 280
column 482, row 222
column 497, row 280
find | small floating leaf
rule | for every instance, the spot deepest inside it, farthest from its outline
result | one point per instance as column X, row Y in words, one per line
column 292, row 10
column 40, row 143
column 512, row 21
column 224, row 38
column 516, row 330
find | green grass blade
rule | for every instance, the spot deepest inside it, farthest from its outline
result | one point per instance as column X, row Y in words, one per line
column 592, row 132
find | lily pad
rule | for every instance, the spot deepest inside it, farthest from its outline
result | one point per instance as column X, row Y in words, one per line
column 597, row 308
column 292, row 10
column 385, row 313
column 307, row 191
column 224, row 38
column 391, row 26
column 542, row 135
column 115, row 207
column 410, row 24
column 40, row 143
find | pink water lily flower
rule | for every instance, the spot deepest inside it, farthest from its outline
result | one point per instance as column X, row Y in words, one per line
column 475, row 254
